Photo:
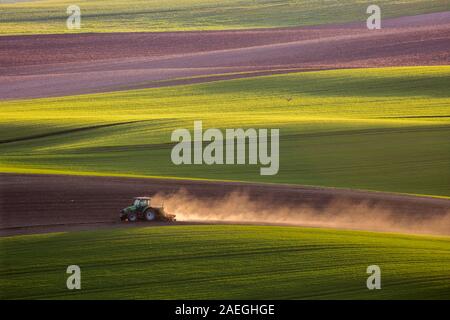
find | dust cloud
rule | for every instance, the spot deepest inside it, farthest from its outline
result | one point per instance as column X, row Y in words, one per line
column 239, row 207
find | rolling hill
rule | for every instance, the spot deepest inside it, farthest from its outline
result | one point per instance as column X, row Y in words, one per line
column 253, row 262
column 381, row 129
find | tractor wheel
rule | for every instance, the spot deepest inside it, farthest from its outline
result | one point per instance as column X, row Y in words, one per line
column 149, row 215
column 132, row 217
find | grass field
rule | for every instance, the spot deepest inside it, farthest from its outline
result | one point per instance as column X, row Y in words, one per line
column 49, row 16
column 379, row 129
column 224, row 262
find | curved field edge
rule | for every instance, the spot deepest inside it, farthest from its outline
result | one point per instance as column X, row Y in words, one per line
column 224, row 262
column 22, row 170
column 383, row 129
column 49, row 17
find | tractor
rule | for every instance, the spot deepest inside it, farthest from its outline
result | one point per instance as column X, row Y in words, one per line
column 141, row 209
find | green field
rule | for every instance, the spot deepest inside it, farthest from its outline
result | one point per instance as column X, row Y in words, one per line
column 224, row 262
column 49, row 16
column 381, row 129
column 378, row 129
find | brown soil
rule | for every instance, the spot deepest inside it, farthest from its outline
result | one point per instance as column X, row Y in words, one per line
column 47, row 203
column 58, row 65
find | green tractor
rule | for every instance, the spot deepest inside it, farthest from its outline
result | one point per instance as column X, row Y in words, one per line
column 142, row 209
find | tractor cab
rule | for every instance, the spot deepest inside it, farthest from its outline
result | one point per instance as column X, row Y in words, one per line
column 141, row 202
